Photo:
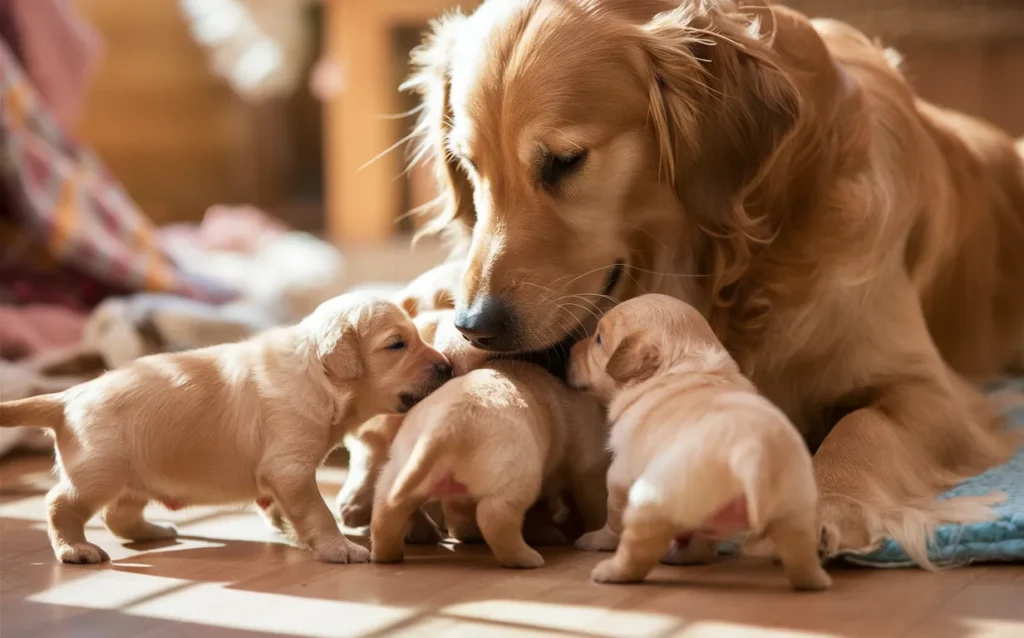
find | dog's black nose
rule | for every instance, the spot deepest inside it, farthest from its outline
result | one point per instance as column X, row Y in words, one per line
column 486, row 323
column 443, row 370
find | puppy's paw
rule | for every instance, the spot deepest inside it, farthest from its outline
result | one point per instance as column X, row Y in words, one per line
column 147, row 531
column 609, row 571
column 81, row 554
column 355, row 514
column 379, row 554
column 603, row 540
column 813, row 578
column 342, row 550
column 527, row 559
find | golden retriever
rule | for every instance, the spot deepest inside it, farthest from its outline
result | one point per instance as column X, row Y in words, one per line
column 230, row 423
column 856, row 249
column 489, row 445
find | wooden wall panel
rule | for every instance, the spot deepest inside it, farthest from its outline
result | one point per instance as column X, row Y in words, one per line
column 175, row 134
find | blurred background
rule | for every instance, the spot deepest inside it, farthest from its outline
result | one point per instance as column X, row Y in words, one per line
column 219, row 151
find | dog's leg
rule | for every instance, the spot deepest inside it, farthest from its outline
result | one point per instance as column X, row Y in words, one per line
column 124, row 518
column 606, row 539
column 643, row 544
column 388, row 529
column 460, row 517
column 501, row 523
column 796, row 541
column 292, row 485
column 880, row 463
column 69, row 510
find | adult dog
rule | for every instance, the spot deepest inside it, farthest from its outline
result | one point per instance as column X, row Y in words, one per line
column 860, row 252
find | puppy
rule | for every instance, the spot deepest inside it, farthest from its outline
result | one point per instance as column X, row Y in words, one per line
column 230, row 423
column 698, row 454
column 368, row 445
column 489, row 445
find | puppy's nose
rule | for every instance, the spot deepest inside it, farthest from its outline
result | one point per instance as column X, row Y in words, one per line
column 486, row 323
column 443, row 371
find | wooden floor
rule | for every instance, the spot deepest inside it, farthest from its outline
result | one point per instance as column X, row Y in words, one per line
column 229, row 576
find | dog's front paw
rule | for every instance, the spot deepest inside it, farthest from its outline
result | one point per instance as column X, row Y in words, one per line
column 603, row 540
column 342, row 550
column 81, row 553
column 844, row 527
column 609, row 571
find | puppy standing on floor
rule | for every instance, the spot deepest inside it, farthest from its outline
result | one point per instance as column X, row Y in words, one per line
column 489, row 445
column 698, row 453
column 237, row 422
column 427, row 295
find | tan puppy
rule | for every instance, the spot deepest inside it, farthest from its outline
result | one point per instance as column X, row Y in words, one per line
column 696, row 448
column 489, row 445
column 231, row 423
column 368, row 445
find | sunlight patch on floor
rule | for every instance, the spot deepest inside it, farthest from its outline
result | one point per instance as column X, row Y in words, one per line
column 216, row 605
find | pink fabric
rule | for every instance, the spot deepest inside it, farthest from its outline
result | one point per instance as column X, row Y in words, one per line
column 30, row 330
column 60, row 50
column 240, row 229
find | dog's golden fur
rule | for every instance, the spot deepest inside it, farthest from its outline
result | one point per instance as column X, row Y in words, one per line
column 857, row 250
column 237, row 422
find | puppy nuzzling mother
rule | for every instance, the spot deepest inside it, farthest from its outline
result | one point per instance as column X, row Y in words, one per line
column 857, row 250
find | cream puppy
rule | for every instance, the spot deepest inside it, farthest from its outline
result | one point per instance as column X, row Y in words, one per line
column 431, row 292
column 369, row 444
column 698, row 453
column 489, row 445
column 236, row 422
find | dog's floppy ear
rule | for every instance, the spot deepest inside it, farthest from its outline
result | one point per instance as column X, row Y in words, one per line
column 431, row 80
column 338, row 351
column 634, row 359
column 720, row 106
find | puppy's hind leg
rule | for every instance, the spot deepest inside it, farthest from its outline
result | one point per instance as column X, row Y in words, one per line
column 501, row 523
column 69, row 510
column 124, row 518
column 796, row 541
column 644, row 540
column 389, row 527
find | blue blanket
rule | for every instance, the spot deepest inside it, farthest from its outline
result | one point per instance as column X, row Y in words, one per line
column 998, row 540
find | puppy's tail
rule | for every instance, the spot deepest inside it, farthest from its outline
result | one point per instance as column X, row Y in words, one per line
column 43, row 411
column 426, row 467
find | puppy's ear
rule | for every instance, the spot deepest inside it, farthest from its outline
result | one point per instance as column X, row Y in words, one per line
column 720, row 106
column 411, row 306
column 338, row 351
column 431, row 80
column 633, row 360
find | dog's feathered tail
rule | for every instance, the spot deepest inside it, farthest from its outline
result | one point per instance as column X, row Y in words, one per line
column 913, row 526
column 43, row 411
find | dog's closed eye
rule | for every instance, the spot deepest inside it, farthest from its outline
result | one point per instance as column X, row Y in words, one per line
column 397, row 344
column 554, row 168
